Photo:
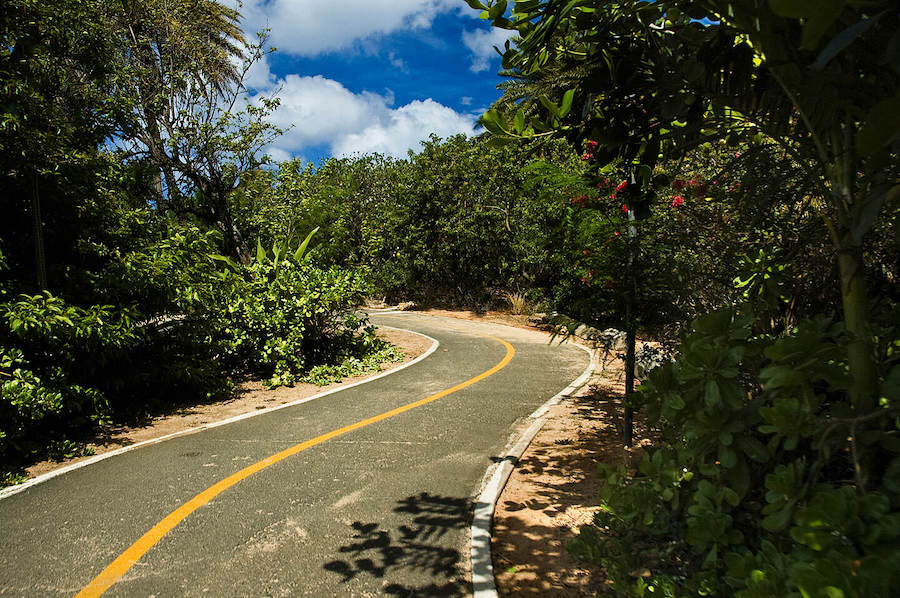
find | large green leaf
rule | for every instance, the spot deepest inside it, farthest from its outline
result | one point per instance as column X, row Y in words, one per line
column 301, row 250
column 881, row 127
column 795, row 9
column 492, row 121
column 566, row 105
column 841, row 41
column 818, row 22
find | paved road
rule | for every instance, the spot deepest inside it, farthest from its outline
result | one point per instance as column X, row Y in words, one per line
column 380, row 510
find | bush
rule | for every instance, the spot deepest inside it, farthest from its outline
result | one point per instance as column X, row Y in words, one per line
column 764, row 481
column 289, row 316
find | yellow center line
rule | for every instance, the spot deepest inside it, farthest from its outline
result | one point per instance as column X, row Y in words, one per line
column 133, row 553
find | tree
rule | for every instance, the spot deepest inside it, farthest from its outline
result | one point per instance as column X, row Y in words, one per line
column 661, row 77
column 184, row 64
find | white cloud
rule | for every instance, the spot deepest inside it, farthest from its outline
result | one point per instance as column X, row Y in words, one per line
column 318, row 111
column 481, row 42
column 404, row 128
column 312, row 27
column 466, row 100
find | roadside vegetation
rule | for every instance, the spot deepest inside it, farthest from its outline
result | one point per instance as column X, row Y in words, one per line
column 721, row 176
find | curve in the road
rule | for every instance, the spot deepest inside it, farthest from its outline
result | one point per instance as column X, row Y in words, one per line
column 133, row 553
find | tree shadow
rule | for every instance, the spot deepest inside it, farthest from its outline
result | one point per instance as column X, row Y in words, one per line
column 417, row 548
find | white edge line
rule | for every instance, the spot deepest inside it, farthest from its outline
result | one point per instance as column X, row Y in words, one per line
column 11, row 490
column 483, row 584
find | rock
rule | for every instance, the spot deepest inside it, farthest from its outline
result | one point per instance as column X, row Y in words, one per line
column 406, row 306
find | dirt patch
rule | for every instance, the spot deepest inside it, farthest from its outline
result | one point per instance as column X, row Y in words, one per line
column 252, row 396
column 497, row 317
column 553, row 491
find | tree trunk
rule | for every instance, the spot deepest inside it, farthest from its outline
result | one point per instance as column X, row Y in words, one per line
column 860, row 351
column 40, row 258
column 630, row 327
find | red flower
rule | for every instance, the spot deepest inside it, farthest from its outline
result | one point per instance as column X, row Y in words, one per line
column 591, row 144
column 613, row 196
column 624, row 208
column 677, row 201
column 587, row 156
column 622, row 185
column 616, row 233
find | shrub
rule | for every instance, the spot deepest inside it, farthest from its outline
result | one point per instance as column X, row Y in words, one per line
column 764, row 482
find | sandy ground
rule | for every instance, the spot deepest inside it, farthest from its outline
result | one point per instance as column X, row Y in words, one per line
column 251, row 396
column 553, row 491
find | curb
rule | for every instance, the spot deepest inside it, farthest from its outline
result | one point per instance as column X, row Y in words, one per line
column 11, row 490
column 483, row 585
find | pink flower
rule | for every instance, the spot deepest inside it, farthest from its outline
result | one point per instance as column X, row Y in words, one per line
column 677, row 201
column 622, row 185
column 616, row 233
column 587, row 156
column 591, row 144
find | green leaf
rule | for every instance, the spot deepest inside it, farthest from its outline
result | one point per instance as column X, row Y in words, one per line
column 818, row 23
column 519, row 121
column 779, row 520
column 882, row 126
column 753, row 448
column 260, row 252
column 891, row 478
column 550, row 106
column 840, row 41
column 301, row 250
column 497, row 10
column 727, row 457
column 711, row 394
column 566, row 105
column 492, row 121
column 869, row 211
column 476, row 4
column 794, row 9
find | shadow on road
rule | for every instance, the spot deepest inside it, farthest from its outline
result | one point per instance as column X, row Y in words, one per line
column 415, row 550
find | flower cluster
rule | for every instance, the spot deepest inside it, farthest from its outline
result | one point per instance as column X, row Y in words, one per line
column 695, row 186
column 590, row 146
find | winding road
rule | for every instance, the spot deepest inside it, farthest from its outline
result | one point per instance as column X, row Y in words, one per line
column 368, row 491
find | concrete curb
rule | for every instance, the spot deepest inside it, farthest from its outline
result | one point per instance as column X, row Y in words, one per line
column 483, row 585
column 11, row 490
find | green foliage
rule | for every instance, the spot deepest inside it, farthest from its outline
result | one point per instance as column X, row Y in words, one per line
column 423, row 228
column 764, row 482
column 289, row 316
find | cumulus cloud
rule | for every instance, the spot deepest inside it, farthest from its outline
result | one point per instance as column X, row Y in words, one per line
column 481, row 42
column 312, row 27
column 316, row 111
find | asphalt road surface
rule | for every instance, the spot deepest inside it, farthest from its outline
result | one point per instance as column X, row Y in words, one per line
column 380, row 509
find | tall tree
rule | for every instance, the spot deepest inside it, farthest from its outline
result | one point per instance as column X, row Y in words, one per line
column 821, row 80
column 184, row 64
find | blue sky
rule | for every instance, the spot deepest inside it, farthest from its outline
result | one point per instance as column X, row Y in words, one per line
column 360, row 76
